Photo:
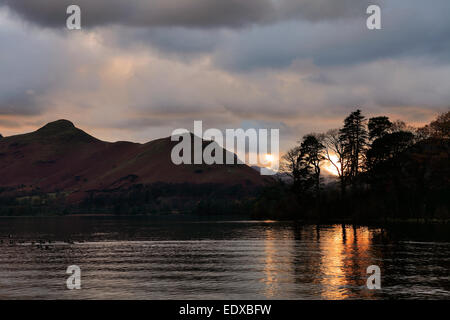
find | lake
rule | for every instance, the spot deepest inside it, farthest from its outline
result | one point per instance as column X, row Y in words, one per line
column 179, row 258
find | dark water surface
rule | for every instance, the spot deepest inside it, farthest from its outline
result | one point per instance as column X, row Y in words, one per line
column 148, row 258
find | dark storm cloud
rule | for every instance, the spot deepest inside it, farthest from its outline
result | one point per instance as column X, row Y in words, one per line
column 409, row 29
column 319, row 10
column 302, row 65
column 145, row 13
column 188, row 13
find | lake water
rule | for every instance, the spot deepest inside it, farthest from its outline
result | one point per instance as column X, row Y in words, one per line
column 149, row 258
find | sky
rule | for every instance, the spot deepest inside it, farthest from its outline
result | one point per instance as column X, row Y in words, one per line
column 139, row 69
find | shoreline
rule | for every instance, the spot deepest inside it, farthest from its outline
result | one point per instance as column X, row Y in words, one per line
column 218, row 218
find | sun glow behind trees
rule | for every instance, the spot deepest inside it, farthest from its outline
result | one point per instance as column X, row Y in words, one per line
column 357, row 148
column 269, row 158
column 330, row 165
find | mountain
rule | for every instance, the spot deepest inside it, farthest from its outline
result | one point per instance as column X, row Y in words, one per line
column 62, row 158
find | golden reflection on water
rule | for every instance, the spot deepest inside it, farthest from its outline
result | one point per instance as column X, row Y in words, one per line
column 344, row 260
column 276, row 267
column 338, row 269
column 270, row 276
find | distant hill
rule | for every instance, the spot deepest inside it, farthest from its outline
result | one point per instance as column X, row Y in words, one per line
column 62, row 158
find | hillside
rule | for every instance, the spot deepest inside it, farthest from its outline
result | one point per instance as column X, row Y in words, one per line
column 62, row 158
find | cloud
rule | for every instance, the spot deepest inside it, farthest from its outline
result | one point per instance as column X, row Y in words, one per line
column 410, row 29
column 336, row 37
column 25, row 64
column 186, row 13
column 300, row 69
column 146, row 13
column 6, row 123
column 323, row 10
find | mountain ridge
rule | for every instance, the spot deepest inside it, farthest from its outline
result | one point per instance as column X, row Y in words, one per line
column 59, row 157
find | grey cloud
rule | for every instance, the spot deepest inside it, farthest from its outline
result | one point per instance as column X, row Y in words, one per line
column 179, row 41
column 34, row 64
column 319, row 10
column 188, row 13
column 25, row 64
column 20, row 104
column 145, row 13
column 115, row 85
column 410, row 28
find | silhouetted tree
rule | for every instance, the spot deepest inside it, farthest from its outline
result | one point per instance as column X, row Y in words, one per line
column 311, row 150
column 334, row 148
column 403, row 176
column 297, row 167
column 439, row 128
column 378, row 127
column 354, row 138
column 388, row 140
column 303, row 162
column 290, row 163
column 388, row 146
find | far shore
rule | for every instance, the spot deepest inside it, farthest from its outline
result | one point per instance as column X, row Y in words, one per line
column 384, row 221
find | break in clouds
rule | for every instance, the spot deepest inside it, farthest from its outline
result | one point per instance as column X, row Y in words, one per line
column 139, row 69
